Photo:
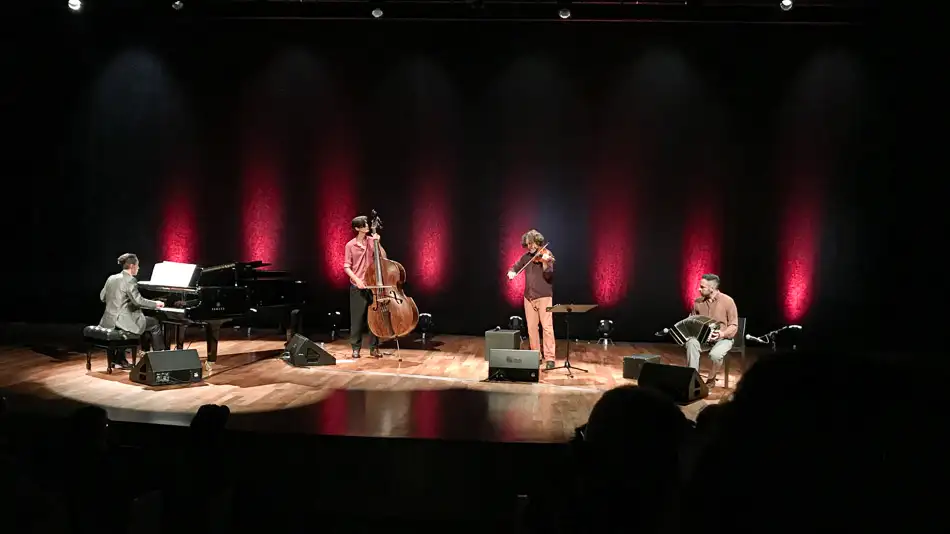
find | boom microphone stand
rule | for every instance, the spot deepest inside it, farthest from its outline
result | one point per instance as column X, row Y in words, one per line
column 769, row 338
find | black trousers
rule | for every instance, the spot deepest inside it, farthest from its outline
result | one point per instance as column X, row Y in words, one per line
column 153, row 329
column 152, row 339
column 360, row 299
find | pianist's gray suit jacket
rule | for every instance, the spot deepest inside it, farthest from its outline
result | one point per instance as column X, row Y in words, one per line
column 124, row 304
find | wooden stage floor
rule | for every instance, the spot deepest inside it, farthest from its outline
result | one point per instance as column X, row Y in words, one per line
column 436, row 391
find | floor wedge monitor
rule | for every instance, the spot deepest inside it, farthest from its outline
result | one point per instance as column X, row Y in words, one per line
column 301, row 352
column 513, row 365
column 167, row 367
column 682, row 384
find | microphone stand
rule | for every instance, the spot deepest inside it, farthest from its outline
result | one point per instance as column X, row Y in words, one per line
column 769, row 338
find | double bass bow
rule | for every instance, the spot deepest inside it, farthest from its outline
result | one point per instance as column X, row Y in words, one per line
column 393, row 314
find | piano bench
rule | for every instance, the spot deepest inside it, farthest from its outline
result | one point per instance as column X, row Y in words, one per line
column 96, row 337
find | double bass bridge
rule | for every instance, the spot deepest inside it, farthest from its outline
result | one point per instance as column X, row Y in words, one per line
column 382, row 300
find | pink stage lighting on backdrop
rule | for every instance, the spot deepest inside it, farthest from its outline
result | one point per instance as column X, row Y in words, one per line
column 799, row 251
column 337, row 208
column 701, row 243
column 613, row 236
column 262, row 207
column 179, row 233
column 430, row 227
column 516, row 220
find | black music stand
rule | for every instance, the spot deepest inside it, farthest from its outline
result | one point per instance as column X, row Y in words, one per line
column 568, row 310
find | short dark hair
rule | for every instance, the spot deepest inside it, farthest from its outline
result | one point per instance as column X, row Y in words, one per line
column 360, row 222
column 710, row 277
column 532, row 236
column 128, row 259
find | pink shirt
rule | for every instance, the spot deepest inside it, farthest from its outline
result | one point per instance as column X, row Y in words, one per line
column 722, row 309
column 359, row 257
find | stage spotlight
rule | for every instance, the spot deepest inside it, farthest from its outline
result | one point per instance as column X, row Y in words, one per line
column 786, row 5
column 75, row 5
column 377, row 13
column 564, row 13
column 333, row 321
column 517, row 323
column 425, row 325
column 178, row 5
column 605, row 328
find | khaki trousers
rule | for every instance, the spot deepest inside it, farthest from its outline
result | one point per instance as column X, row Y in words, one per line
column 536, row 312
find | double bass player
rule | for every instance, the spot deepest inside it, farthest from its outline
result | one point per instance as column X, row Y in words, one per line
column 358, row 256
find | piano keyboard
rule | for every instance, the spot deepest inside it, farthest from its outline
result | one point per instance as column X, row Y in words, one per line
column 166, row 309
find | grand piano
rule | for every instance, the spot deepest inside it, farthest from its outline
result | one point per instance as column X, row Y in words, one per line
column 211, row 296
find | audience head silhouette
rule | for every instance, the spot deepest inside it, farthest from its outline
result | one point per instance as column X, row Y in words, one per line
column 627, row 426
column 209, row 422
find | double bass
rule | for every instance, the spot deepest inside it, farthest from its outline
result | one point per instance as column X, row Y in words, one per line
column 393, row 314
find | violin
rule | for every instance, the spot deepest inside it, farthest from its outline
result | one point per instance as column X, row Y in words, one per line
column 541, row 252
column 536, row 258
column 393, row 314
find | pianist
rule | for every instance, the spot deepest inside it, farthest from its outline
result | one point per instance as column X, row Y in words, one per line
column 124, row 307
column 358, row 256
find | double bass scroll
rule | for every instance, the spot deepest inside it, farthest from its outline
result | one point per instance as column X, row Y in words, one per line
column 393, row 314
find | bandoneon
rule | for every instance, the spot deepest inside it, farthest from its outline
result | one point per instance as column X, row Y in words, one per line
column 697, row 326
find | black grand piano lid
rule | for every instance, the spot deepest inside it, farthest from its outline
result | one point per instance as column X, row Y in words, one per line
column 234, row 273
column 236, row 265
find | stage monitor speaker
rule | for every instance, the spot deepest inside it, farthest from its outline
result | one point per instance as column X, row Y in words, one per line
column 513, row 365
column 633, row 364
column 502, row 339
column 167, row 367
column 682, row 384
column 301, row 352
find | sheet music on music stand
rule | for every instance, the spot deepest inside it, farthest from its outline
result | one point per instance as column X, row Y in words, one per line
column 171, row 273
column 568, row 310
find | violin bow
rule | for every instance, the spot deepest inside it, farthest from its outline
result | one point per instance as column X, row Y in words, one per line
column 536, row 254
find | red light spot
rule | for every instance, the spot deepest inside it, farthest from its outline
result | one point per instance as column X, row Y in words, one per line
column 613, row 237
column 179, row 234
column 430, row 228
column 337, row 208
column 334, row 416
column 516, row 221
column 426, row 414
column 701, row 238
column 799, row 246
column 262, row 207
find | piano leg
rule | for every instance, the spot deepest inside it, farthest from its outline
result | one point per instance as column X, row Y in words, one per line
column 180, row 336
column 174, row 333
column 169, row 332
column 212, row 333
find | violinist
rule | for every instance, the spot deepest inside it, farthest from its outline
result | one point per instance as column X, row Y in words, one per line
column 358, row 256
column 538, row 265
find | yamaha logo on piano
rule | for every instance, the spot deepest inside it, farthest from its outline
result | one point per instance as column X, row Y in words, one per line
column 217, row 307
